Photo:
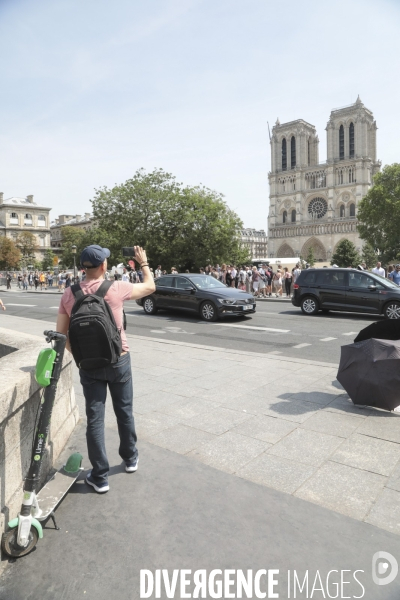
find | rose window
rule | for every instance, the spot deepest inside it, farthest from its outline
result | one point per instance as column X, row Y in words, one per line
column 318, row 207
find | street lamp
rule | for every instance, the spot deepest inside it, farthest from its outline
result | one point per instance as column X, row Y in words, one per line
column 73, row 250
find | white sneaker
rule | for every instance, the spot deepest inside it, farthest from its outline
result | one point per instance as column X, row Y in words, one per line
column 131, row 465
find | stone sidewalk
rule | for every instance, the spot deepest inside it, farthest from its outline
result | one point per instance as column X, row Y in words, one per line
column 284, row 423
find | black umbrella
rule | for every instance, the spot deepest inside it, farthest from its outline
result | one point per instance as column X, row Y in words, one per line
column 369, row 371
column 389, row 329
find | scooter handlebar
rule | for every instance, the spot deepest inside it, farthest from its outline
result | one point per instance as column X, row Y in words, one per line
column 54, row 335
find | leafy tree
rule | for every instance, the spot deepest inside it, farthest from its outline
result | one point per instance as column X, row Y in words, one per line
column 187, row 227
column 10, row 255
column 369, row 256
column 27, row 244
column 47, row 262
column 346, row 255
column 71, row 236
column 310, row 258
column 379, row 213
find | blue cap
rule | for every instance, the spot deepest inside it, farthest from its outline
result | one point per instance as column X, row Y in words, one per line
column 95, row 255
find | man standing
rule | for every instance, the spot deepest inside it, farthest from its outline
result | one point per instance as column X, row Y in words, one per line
column 395, row 275
column 378, row 270
column 158, row 271
column 296, row 273
column 118, row 376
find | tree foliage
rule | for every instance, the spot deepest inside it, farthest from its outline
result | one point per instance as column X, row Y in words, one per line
column 47, row 262
column 379, row 213
column 346, row 255
column 10, row 255
column 71, row 236
column 310, row 258
column 369, row 256
column 27, row 244
column 187, row 227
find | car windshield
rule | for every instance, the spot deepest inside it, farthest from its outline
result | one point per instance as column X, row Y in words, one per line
column 206, row 282
column 387, row 282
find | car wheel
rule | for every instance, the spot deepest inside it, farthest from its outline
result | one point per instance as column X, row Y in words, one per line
column 309, row 305
column 208, row 312
column 392, row 310
column 149, row 306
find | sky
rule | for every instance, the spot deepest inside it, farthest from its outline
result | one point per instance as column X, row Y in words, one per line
column 92, row 91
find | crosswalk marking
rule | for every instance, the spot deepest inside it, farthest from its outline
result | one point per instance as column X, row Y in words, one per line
column 328, row 339
column 28, row 305
column 350, row 333
column 301, row 345
column 253, row 327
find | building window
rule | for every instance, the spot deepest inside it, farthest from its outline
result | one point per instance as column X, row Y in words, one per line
column 341, row 211
column 41, row 221
column 284, row 155
column 293, row 152
column 341, row 142
column 284, row 216
column 351, row 140
column 14, row 216
column 352, row 210
column 13, row 219
column 293, row 216
column 28, row 219
column 308, row 152
column 317, row 208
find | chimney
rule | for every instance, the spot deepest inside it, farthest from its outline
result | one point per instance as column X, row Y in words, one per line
column 78, row 218
column 87, row 216
column 30, row 198
column 56, row 220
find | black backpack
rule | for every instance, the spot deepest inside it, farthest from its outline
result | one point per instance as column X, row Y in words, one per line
column 93, row 334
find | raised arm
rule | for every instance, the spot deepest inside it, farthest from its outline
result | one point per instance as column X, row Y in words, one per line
column 148, row 286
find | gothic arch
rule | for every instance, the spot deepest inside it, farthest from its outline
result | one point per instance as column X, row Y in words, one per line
column 318, row 247
column 285, row 251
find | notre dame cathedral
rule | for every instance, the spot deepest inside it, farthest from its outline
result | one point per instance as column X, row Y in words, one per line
column 313, row 204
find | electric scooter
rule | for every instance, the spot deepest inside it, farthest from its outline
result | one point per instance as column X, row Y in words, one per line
column 26, row 529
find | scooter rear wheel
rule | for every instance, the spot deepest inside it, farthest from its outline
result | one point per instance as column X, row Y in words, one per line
column 10, row 546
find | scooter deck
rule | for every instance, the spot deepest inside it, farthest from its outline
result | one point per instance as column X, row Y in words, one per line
column 53, row 492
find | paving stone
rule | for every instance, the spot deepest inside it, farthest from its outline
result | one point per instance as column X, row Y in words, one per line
column 276, row 472
column 267, row 429
column 218, row 420
column 344, row 489
column 186, row 408
column 291, row 410
column 248, row 403
column 385, row 512
column 154, row 401
column 151, row 423
column 343, row 404
column 369, row 454
column 182, row 389
column 394, row 480
column 315, row 397
column 229, row 452
column 383, row 425
column 180, row 438
column 333, row 423
column 309, row 447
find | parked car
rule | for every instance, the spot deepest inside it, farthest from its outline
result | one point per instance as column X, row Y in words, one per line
column 347, row 290
column 197, row 293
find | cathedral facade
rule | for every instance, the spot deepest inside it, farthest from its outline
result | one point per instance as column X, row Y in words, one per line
column 313, row 204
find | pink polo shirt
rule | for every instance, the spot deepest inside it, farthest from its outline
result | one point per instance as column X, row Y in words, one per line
column 119, row 292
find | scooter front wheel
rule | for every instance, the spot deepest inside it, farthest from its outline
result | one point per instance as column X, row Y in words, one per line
column 10, row 546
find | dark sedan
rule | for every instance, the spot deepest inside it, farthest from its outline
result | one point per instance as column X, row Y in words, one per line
column 347, row 290
column 201, row 294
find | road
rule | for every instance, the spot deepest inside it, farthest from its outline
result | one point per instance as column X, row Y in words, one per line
column 277, row 327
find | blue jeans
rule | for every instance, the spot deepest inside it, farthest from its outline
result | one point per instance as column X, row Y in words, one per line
column 118, row 378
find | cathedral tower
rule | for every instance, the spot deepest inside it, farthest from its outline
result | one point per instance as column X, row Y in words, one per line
column 314, row 204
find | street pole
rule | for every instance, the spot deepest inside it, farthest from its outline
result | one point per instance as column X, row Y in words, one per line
column 73, row 249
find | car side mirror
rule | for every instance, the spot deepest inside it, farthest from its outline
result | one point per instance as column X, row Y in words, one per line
column 372, row 288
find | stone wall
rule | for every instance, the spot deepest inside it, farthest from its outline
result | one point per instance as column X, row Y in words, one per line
column 19, row 401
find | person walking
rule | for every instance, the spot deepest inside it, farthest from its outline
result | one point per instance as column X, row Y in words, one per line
column 255, row 279
column 116, row 377
column 278, row 283
column 395, row 275
column 2, row 305
column 288, row 281
column 42, row 281
column 25, row 282
column 379, row 270
column 8, row 279
column 67, row 281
